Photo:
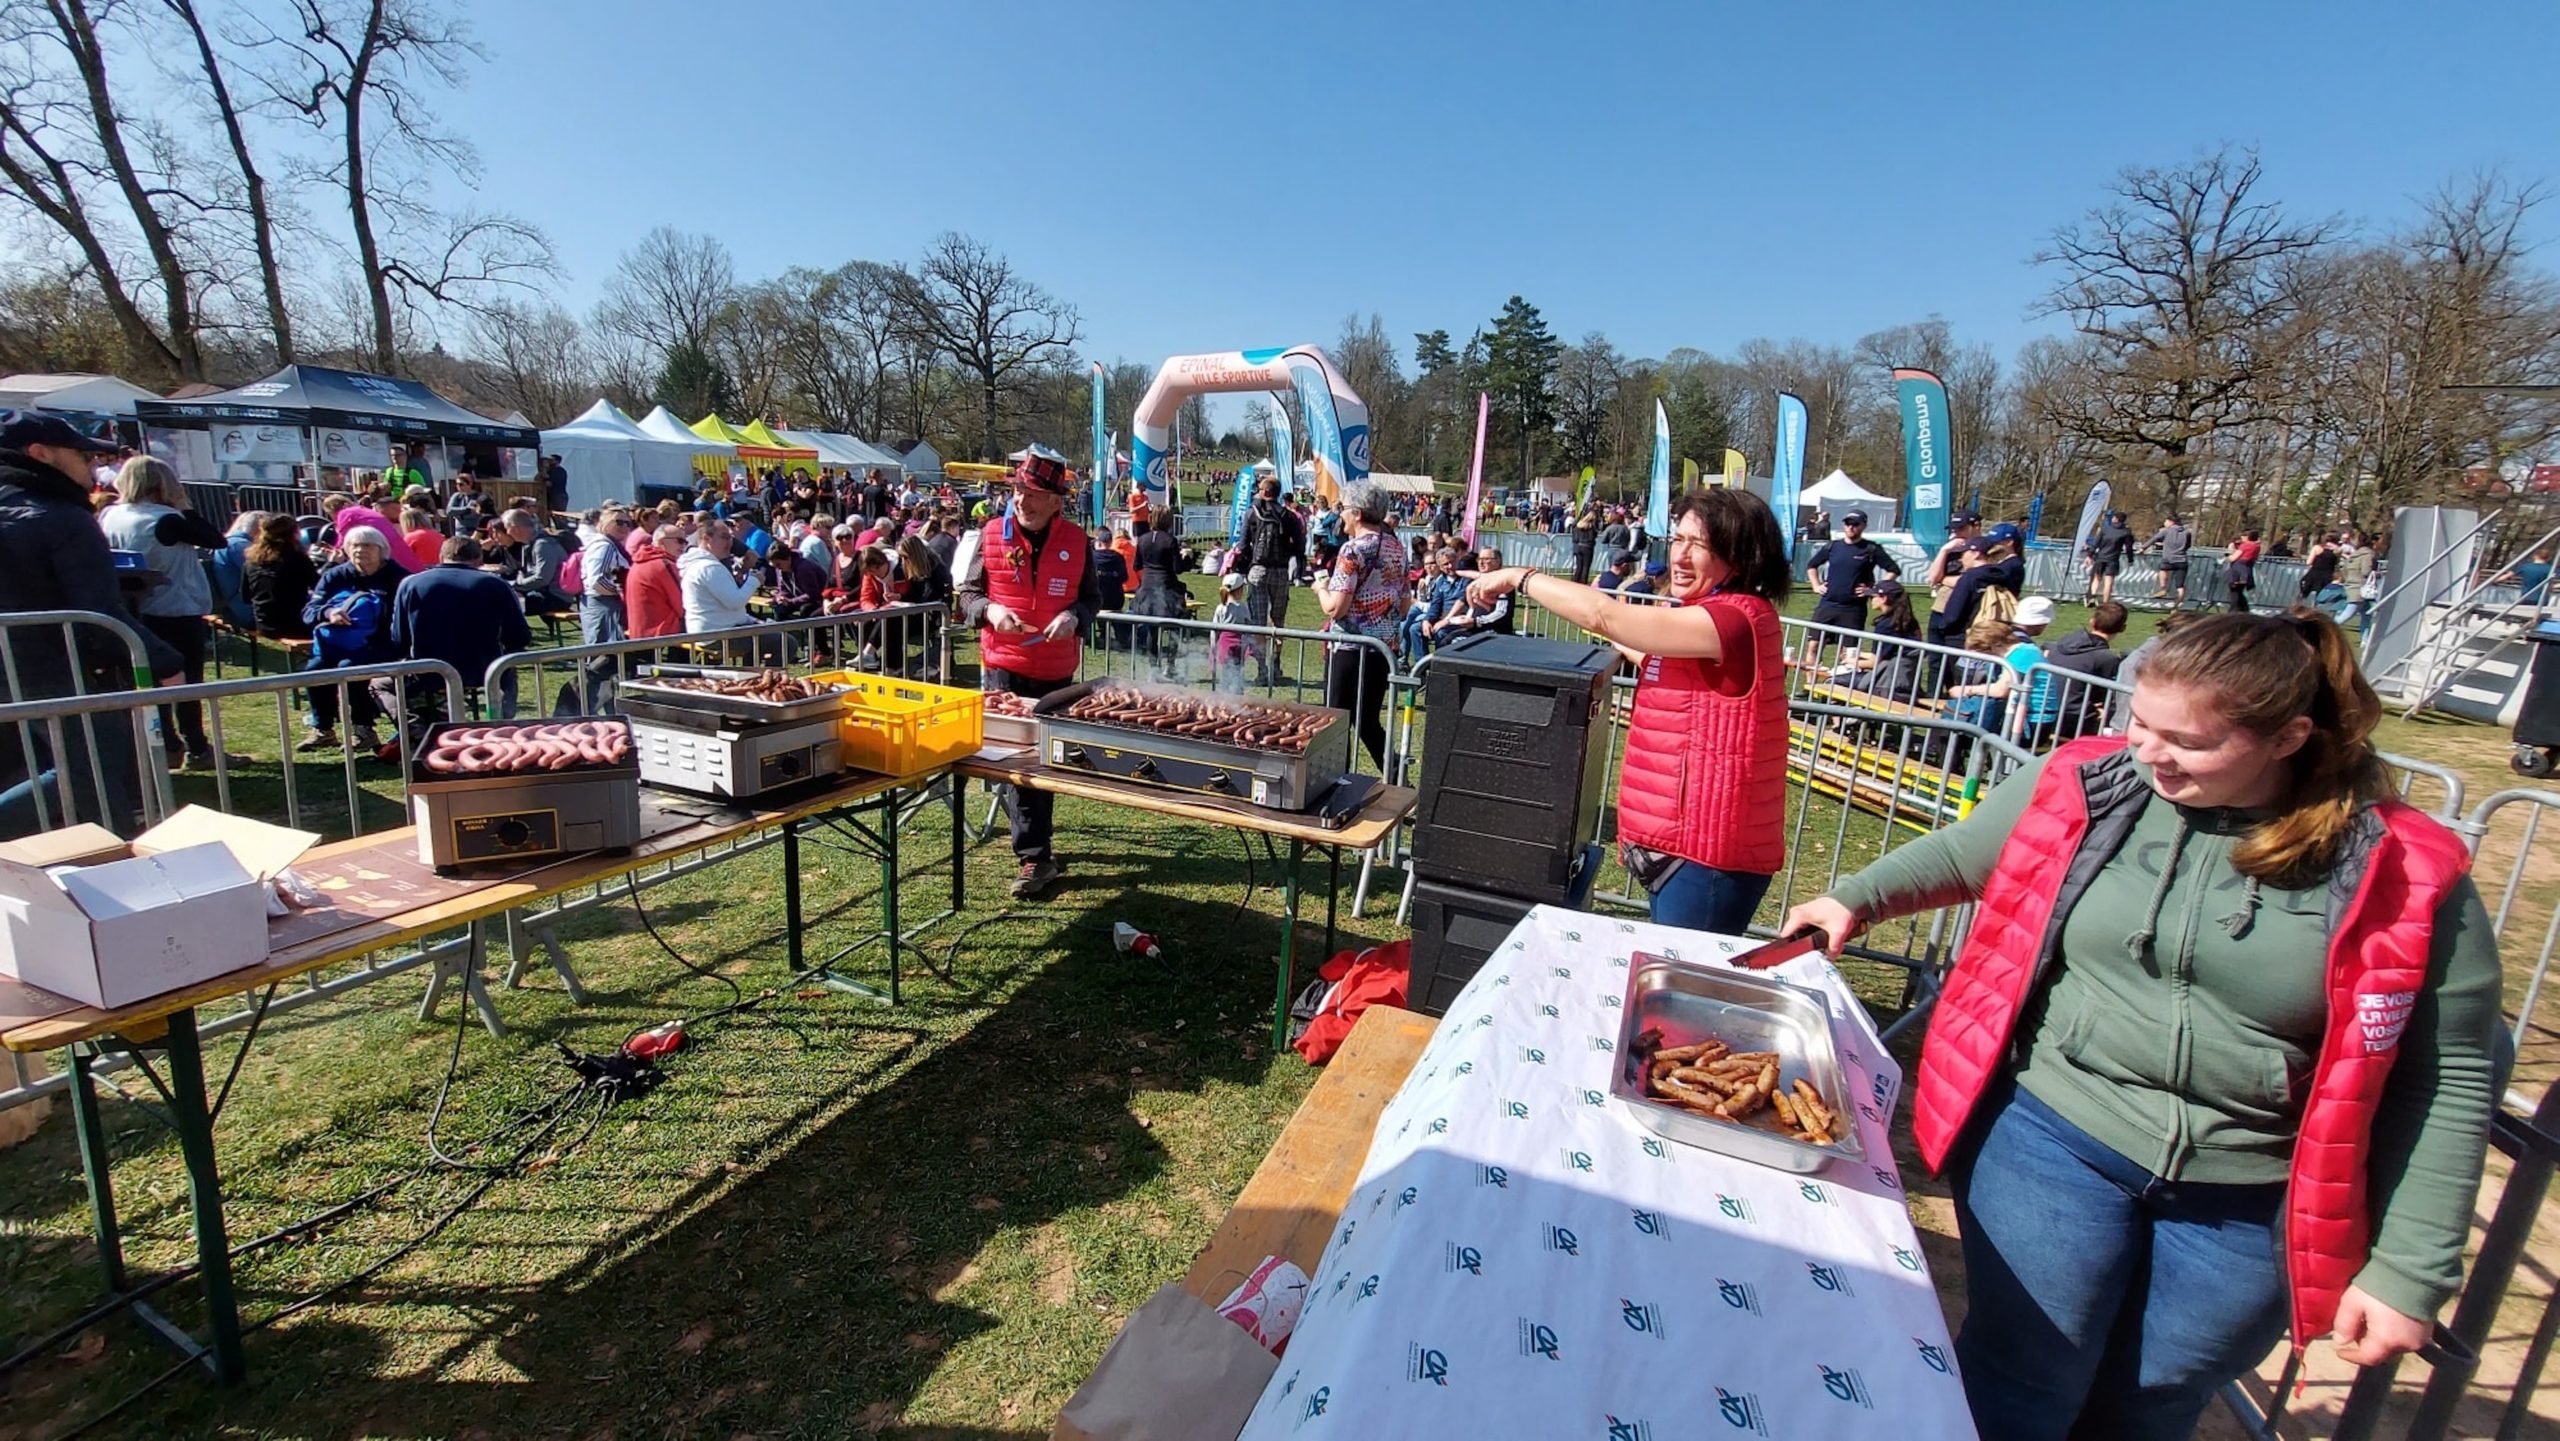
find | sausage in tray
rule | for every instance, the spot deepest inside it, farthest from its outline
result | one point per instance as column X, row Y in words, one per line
column 1239, row 723
column 526, row 748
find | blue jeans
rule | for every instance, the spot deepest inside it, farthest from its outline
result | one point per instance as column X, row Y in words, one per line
column 599, row 623
column 2098, row 1295
column 1702, row 898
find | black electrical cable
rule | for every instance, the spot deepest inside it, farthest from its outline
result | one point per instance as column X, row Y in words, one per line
column 737, row 995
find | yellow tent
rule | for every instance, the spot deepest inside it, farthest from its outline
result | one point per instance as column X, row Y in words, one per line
column 755, row 442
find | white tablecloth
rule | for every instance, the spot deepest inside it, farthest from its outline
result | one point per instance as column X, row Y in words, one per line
column 1521, row 1258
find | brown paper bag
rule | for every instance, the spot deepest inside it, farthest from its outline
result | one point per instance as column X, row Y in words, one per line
column 1178, row 1372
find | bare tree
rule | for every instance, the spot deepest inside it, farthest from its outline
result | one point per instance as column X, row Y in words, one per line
column 531, row 360
column 965, row 302
column 1587, row 381
column 65, row 152
column 670, row 291
column 2182, row 285
column 359, row 71
column 253, row 181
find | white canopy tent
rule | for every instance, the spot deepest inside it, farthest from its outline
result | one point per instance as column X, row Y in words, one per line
column 661, row 424
column 1401, row 484
column 1836, row 492
column 72, row 393
column 832, row 451
column 611, row 456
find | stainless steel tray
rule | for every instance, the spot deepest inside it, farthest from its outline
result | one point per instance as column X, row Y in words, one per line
column 1752, row 1013
column 646, row 684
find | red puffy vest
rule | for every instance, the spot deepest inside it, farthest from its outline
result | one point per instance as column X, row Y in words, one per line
column 2402, row 864
column 1036, row 585
column 1705, row 777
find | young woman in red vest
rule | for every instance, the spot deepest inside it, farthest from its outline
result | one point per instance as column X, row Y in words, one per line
column 1703, row 800
column 1028, row 586
column 2218, row 1054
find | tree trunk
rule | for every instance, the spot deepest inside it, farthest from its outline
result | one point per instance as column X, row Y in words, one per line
column 261, row 221
column 60, row 204
column 377, row 284
column 987, row 394
column 71, row 17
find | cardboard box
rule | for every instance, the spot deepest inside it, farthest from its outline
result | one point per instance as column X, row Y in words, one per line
column 184, row 903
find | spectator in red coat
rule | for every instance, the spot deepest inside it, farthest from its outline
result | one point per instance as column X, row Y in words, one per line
column 655, row 596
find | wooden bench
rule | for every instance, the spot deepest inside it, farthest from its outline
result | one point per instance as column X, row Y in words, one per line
column 1290, row 1207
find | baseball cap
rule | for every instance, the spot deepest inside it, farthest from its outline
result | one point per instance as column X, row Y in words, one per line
column 1963, row 517
column 22, row 428
column 1855, row 517
column 1885, row 586
column 1232, row 580
column 2035, row 610
column 1976, row 546
column 1656, row 568
column 2003, row 533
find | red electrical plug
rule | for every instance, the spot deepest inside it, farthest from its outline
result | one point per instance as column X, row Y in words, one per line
column 657, row 1041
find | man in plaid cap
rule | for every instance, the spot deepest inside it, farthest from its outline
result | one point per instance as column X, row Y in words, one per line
column 1029, row 587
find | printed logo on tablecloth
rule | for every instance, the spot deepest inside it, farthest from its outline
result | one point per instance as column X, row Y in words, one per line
column 1735, row 1207
column 1493, row 1176
column 1611, row 1001
column 1289, row 1385
column 1463, row 1068
column 1653, row 1147
column 1341, row 1282
column 1406, row 1197
column 1562, row 973
column 1578, row 1161
column 1439, row 1126
column 1673, row 952
column 1455, row 1258
column 1740, row 1295
column 1561, row 1240
column 1503, row 980
column 1368, row 1289
column 1876, row 1083
column 1741, row 1410
column 1533, row 1056
column 1650, row 1223
column 1538, row 1340
column 1549, row 1012
column 1483, row 1021
column 1625, row 930
column 1829, row 1278
column 1907, row 1259
column 1594, row 1098
column 1642, row 1317
column 1516, row 1110
column 1845, row 1383
column 1617, row 963
column 1886, row 1179
column 1423, row 1363
column 1933, row 1357
column 1628, row 1430
column 1817, row 1193
column 1316, row 1401
column 1604, row 1045
column 1871, row 1113
column 1347, row 1228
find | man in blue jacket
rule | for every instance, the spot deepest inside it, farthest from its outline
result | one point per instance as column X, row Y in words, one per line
column 459, row 614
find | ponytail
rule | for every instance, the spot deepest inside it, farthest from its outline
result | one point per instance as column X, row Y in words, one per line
column 2262, row 671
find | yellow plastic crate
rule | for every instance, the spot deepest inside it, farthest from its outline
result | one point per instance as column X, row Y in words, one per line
column 899, row 727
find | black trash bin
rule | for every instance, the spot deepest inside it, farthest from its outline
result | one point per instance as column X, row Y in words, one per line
column 2537, row 734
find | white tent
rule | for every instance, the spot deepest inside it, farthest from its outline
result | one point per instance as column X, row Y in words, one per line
column 611, row 456
column 661, row 424
column 923, row 463
column 832, row 451
column 77, row 393
column 1836, row 492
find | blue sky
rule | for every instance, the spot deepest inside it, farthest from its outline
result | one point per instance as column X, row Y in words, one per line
column 1210, row 175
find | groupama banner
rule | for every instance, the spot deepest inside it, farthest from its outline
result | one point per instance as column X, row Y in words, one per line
column 1786, row 470
column 1928, row 454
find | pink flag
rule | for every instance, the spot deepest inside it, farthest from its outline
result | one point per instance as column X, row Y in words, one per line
column 1475, row 471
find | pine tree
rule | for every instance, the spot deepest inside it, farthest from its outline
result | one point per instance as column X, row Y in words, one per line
column 1520, row 355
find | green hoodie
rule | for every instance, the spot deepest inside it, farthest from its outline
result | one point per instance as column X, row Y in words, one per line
column 2182, row 1019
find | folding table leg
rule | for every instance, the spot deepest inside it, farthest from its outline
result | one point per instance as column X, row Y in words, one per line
column 193, row 1119
column 1288, row 946
column 95, row 1166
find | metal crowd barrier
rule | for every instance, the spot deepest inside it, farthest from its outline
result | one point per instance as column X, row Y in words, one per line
column 118, row 766
column 903, row 640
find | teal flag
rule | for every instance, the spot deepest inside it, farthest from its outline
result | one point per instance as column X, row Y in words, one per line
column 1657, row 510
column 1928, row 455
column 1786, row 472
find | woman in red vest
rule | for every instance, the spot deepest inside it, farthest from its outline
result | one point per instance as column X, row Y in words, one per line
column 2218, row 1053
column 1702, row 805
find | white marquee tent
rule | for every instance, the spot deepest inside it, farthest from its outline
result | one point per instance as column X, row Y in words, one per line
column 1836, row 492
column 76, row 393
column 661, row 424
column 610, row 456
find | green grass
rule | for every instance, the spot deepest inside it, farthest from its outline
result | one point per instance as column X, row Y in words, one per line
column 834, row 1219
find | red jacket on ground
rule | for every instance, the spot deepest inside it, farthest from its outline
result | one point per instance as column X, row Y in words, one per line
column 653, row 598
column 1706, row 771
column 2400, row 864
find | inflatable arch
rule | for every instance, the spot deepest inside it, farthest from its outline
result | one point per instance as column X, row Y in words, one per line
column 1337, row 421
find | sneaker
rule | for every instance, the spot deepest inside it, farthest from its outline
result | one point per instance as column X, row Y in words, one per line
column 362, row 738
column 316, row 739
column 1036, row 877
column 204, row 759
